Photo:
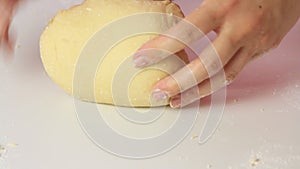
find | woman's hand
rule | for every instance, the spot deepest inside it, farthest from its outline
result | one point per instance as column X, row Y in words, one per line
column 6, row 8
column 245, row 28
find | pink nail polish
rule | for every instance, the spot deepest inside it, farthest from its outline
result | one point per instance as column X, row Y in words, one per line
column 140, row 62
column 159, row 95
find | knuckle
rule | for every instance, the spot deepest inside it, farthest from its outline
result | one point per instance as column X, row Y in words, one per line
column 268, row 42
column 235, row 39
column 255, row 23
column 258, row 19
column 265, row 41
column 226, row 7
column 213, row 67
column 219, row 8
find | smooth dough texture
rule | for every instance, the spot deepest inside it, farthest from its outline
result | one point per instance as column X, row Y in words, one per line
column 65, row 39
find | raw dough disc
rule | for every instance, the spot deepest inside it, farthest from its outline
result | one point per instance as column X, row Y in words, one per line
column 66, row 35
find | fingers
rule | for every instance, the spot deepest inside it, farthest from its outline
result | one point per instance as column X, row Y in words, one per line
column 7, row 7
column 208, row 64
column 192, row 28
column 5, row 23
column 6, row 42
column 220, row 80
column 9, row 42
column 4, row 37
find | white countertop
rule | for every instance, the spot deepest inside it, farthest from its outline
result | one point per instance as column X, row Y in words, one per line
column 39, row 126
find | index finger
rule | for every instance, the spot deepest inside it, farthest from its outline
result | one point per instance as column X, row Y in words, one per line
column 188, row 30
column 211, row 60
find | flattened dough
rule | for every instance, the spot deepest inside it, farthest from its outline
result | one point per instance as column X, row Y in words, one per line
column 64, row 39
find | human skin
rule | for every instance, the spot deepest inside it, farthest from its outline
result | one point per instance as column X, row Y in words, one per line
column 245, row 30
column 6, row 8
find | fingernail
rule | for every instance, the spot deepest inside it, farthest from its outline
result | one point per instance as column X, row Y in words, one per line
column 175, row 103
column 159, row 95
column 140, row 61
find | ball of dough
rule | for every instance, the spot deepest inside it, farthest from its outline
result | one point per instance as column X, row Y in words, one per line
column 65, row 40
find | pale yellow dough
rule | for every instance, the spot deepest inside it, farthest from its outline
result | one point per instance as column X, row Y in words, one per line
column 66, row 35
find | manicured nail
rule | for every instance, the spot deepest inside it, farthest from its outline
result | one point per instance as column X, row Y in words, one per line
column 140, row 61
column 159, row 95
column 175, row 103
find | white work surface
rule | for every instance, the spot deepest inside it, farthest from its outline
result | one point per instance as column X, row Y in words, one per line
column 39, row 128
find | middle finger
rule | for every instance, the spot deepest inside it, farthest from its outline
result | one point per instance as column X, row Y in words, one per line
column 210, row 61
